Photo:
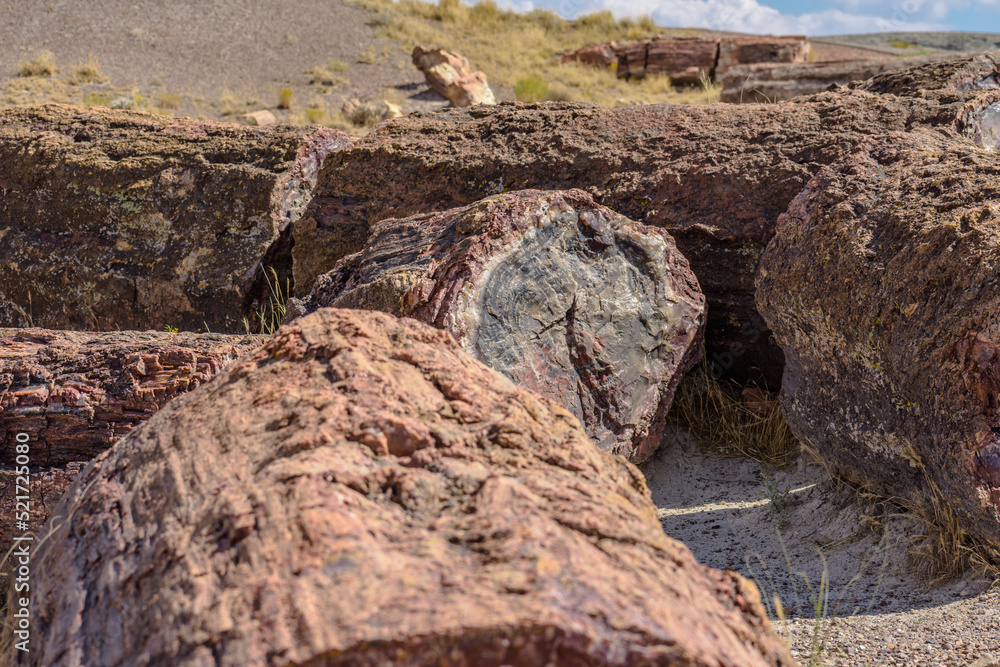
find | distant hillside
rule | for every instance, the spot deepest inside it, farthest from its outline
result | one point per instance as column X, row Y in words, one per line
column 935, row 41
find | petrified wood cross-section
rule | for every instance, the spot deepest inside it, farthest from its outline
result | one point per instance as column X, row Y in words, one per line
column 561, row 295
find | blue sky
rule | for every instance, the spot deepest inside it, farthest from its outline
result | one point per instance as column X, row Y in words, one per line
column 811, row 17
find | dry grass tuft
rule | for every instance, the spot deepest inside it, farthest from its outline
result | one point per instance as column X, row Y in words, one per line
column 719, row 418
column 43, row 63
column 511, row 47
column 169, row 101
column 89, row 72
column 285, row 98
column 943, row 551
column 327, row 75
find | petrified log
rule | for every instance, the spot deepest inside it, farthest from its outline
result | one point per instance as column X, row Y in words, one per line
column 561, row 295
column 632, row 60
column 126, row 220
column 761, row 49
column 363, row 492
column 596, row 55
column 778, row 82
column 716, row 177
column 881, row 285
column 979, row 72
column 684, row 60
column 74, row 394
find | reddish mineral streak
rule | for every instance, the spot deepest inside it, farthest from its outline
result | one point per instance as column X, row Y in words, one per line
column 76, row 393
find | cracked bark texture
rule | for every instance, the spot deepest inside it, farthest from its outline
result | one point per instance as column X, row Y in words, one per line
column 969, row 74
column 881, row 284
column 75, row 394
column 563, row 296
column 126, row 220
column 362, row 492
column 716, row 177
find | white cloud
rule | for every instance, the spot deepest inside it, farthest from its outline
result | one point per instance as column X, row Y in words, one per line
column 750, row 16
column 843, row 16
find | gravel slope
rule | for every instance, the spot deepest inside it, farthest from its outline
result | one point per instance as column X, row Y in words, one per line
column 201, row 51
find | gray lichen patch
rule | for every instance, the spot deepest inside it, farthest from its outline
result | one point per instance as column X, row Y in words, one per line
column 577, row 309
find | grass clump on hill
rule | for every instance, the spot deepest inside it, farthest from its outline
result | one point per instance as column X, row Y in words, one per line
column 43, row 63
column 513, row 48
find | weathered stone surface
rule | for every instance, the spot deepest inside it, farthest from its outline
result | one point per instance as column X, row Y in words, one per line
column 261, row 118
column 387, row 499
column 117, row 219
column 761, row 49
column 881, row 285
column 75, row 394
column 450, row 76
column 684, row 60
column 969, row 74
column 561, row 295
column 598, row 55
column 770, row 82
column 716, row 177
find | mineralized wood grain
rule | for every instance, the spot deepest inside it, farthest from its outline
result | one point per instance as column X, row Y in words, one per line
column 716, row 177
column 126, row 220
column 561, row 295
column 363, row 492
column 75, row 394
column 881, row 284
column 968, row 74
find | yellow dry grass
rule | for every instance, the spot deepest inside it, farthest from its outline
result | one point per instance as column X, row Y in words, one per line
column 716, row 415
column 512, row 48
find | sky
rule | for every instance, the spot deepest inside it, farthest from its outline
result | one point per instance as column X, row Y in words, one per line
column 810, row 17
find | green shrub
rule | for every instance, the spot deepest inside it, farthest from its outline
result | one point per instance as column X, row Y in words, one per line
column 531, row 89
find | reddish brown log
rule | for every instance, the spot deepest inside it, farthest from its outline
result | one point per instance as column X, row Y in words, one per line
column 768, row 49
column 684, row 60
column 715, row 176
column 881, row 285
column 595, row 55
column 74, row 394
column 362, row 492
column 127, row 220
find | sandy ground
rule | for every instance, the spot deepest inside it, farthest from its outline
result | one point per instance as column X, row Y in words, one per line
column 782, row 527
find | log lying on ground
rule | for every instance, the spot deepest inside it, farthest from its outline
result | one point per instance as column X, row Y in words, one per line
column 778, row 82
column 716, row 177
column 684, row 60
column 970, row 74
column 363, row 492
column 881, row 284
column 561, row 295
column 735, row 51
column 74, row 394
column 126, row 220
